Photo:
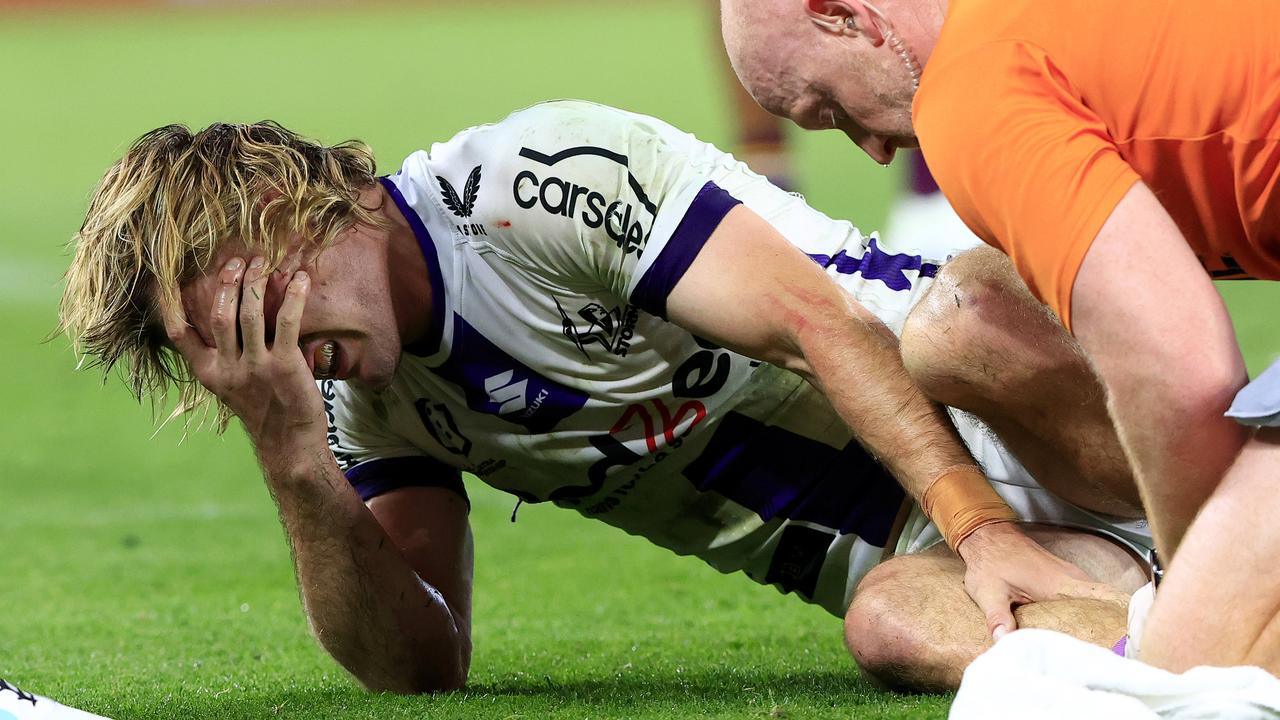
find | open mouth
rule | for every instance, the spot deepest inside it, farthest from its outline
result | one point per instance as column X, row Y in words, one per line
column 325, row 361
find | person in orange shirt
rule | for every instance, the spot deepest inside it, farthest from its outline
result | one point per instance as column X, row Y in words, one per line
column 1122, row 155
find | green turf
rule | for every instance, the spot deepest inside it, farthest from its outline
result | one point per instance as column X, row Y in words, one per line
column 147, row 579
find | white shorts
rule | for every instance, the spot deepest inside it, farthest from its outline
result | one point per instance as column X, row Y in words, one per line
column 1258, row 403
column 1028, row 499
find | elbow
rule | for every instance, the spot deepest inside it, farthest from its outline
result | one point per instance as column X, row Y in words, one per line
column 1191, row 390
column 788, row 349
column 1209, row 394
column 420, row 686
column 417, row 681
column 796, row 362
column 1173, row 409
column 419, row 669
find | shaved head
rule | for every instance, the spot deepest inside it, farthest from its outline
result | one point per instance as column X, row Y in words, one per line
column 849, row 65
column 764, row 39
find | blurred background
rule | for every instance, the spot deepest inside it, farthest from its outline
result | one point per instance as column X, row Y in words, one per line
column 146, row 576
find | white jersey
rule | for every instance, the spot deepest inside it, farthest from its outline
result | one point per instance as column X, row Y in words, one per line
column 552, row 240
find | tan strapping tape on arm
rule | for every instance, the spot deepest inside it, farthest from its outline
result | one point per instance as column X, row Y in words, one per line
column 960, row 500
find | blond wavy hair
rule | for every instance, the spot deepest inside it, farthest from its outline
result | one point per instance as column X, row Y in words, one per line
column 162, row 212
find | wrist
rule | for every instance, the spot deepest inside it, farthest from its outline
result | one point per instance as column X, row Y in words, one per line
column 960, row 501
column 294, row 456
column 998, row 533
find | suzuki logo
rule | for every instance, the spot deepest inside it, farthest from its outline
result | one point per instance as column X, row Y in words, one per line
column 497, row 384
column 509, row 395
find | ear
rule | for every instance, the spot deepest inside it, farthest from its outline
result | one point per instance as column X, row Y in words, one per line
column 845, row 17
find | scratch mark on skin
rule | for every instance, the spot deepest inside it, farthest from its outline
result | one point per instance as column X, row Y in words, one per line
column 255, row 293
column 957, row 300
column 809, row 304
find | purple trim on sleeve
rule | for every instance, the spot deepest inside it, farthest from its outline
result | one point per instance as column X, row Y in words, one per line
column 431, row 343
column 376, row 477
column 706, row 211
column 1121, row 647
column 876, row 264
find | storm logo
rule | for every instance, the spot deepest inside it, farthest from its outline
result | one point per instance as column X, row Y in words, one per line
column 610, row 329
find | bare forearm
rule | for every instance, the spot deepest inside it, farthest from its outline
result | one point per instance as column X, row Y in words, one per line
column 752, row 291
column 855, row 361
column 1180, row 448
column 367, row 606
column 1163, row 344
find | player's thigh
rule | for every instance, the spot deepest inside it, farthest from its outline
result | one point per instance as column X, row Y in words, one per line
column 978, row 335
column 911, row 626
column 1101, row 558
column 906, row 599
column 921, row 597
column 918, row 590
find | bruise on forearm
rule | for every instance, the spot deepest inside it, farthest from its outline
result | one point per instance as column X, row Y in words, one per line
column 754, row 292
column 854, row 359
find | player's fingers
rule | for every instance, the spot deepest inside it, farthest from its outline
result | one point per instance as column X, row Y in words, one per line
column 252, row 326
column 996, row 607
column 289, row 319
column 222, row 315
column 183, row 336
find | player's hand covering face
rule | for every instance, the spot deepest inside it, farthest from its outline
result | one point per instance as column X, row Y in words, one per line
column 270, row 387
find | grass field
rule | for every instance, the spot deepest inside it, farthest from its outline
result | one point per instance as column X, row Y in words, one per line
column 144, row 578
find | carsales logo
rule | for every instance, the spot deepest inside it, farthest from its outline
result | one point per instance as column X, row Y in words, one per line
column 620, row 219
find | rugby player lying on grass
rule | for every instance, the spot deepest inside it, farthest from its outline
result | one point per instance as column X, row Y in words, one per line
column 586, row 306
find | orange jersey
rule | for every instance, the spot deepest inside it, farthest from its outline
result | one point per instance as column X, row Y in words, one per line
column 1037, row 116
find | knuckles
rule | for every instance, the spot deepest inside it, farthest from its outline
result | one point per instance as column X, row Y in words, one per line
column 220, row 319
